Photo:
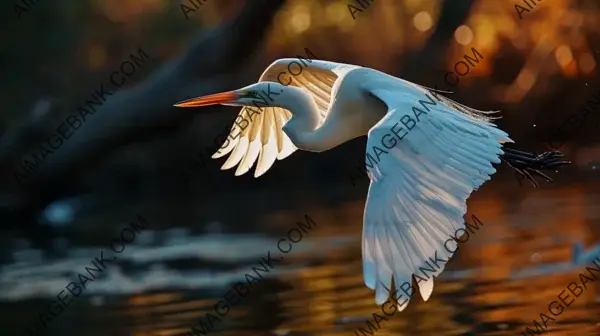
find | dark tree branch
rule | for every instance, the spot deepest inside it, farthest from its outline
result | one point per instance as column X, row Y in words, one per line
column 210, row 64
column 452, row 15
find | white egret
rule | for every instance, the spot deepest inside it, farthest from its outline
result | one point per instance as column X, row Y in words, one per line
column 419, row 185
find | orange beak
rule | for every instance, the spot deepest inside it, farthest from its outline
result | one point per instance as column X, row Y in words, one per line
column 213, row 99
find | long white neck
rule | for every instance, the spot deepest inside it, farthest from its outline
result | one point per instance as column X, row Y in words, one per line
column 305, row 113
column 306, row 129
column 306, row 118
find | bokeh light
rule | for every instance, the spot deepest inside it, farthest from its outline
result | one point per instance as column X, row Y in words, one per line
column 300, row 21
column 422, row 21
column 463, row 35
column 563, row 55
column 525, row 80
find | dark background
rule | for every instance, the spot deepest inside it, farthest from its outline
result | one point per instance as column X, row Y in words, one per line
column 130, row 156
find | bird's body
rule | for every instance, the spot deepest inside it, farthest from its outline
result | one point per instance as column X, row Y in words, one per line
column 425, row 155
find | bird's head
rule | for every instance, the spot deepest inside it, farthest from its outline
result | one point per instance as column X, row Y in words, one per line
column 262, row 93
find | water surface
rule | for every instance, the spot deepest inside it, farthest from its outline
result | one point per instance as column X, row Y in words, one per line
column 497, row 283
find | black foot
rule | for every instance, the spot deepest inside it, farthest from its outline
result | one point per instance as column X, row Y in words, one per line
column 527, row 164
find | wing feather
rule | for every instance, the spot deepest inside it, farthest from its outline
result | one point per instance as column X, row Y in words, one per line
column 317, row 78
column 418, row 191
column 229, row 147
column 288, row 146
column 249, row 158
column 279, row 121
column 268, row 155
column 238, row 153
column 256, row 125
column 267, row 124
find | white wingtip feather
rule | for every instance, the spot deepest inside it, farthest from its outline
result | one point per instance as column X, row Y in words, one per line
column 268, row 155
column 369, row 275
column 402, row 306
column 288, row 148
column 250, row 158
column 237, row 155
column 222, row 151
column 426, row 288
column 382, row 292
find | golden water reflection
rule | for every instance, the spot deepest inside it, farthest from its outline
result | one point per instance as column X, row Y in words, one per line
column 326, row 295
column 499, row 281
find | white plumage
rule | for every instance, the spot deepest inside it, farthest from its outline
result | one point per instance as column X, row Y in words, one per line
column 265, row 135
column 419, row 187
column 418, row 192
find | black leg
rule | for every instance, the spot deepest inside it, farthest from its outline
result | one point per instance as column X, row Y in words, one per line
column 518, row 152
column 526, row 163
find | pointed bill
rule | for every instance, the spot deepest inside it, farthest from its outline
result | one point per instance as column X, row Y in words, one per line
column 213, row 99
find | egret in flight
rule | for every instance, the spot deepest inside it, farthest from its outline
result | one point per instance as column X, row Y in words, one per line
column 424, row 156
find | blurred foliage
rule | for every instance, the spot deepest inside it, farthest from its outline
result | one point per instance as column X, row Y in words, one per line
column 62, row 50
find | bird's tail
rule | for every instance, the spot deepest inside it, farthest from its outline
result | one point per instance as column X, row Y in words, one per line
column 577, row 251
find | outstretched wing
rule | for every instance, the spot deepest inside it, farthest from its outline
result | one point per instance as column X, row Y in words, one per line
column 419, row 187
column 263, row 138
